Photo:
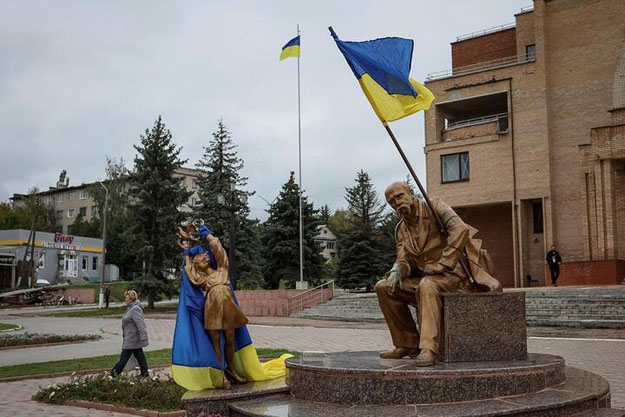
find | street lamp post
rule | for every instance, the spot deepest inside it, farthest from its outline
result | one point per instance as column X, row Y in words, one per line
column 106, row 201
column 234, row 205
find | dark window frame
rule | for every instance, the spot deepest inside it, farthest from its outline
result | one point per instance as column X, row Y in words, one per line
column 537, row 217
column 460, row 159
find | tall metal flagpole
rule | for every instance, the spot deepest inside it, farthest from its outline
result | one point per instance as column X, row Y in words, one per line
column 299, row 132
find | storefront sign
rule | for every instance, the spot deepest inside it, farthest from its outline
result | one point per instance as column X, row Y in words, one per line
column 61, row 238
column 55, row 245
column 7, row 260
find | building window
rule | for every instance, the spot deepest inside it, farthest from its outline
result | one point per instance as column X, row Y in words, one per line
column 70, row 196
column 49, row 200
column 537, row 216
column 194, row 185
column 530, row 52
column 94, row 211
column 84, row 194
column 70, row 213
column 83, row 211
column 59, row 214
column 329, row 245
column 59, row 198
column 455, row 167
column 85, row 259
column 94, row 263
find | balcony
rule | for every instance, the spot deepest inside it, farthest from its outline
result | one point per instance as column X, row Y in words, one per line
column 482, row 66
column 496, row 124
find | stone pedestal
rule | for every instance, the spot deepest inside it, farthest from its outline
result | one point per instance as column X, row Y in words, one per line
column 483, row 327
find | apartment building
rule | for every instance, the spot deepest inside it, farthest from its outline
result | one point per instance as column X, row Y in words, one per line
column 526, row 140
column 70, row 201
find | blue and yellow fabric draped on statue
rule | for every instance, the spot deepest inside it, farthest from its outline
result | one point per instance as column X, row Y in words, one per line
column 195, row 366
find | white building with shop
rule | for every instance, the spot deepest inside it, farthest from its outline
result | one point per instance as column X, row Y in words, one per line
column 59, row 258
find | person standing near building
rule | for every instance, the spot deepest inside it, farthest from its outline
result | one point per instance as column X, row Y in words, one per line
column 107, row 295
column 554, row 260
column 135, row 335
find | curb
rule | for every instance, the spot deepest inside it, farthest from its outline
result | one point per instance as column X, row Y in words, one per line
column 125, row 410
column 68, row 373
column 19, row 327
column 45, row 344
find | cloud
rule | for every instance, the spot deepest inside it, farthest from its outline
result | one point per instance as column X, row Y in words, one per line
column 82, row 80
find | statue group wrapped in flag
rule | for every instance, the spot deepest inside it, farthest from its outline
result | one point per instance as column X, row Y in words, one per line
column 212, row 346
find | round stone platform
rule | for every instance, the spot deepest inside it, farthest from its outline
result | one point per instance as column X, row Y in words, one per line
column 363, row 378
column 582, row 394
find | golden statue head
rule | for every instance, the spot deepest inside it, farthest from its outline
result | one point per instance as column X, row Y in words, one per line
column 400, row 196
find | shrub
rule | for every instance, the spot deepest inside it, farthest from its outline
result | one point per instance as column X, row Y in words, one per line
column 159, row 392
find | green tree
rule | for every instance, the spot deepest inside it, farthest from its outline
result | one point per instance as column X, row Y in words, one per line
column 281, row 239
column 82, row 227
column 155, row 198
column 21, row 217
column 361, row 255
column 339, row 222
column 221, row 176
column 324, row 214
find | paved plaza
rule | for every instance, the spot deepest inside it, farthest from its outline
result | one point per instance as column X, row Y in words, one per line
column 603, row 355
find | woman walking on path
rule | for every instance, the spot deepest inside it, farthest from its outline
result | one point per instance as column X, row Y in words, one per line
column 135, row 335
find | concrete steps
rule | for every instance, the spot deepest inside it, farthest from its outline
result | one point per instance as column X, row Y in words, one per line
column 568, row 307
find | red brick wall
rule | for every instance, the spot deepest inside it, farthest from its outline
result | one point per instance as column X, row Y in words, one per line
column 495, row 225
column 273, row 302
column 589, row 273
column 484, row 48
column 82, row 295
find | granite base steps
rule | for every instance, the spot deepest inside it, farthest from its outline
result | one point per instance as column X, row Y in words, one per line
column 565, row 307
column 581, row 394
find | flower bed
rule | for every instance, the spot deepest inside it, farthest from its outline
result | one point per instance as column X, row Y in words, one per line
column 28, row 339
column 159, row 393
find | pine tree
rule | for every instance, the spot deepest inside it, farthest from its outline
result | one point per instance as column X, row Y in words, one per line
column 220, row 175
column 361, row 256
column 281, row 239
column 155, row 198
column 324, row 214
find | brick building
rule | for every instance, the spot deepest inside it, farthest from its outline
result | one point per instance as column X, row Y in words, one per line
column 526, row 140
column 69, row 201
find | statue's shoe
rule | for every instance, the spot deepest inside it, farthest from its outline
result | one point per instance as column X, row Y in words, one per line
column 426, row 358
column 235, row 378
column 225, row 384
column 398, row 353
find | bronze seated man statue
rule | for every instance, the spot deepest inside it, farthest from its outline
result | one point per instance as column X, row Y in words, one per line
column 428, row 263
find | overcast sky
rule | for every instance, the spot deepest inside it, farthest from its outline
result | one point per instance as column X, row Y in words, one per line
column 81, row 80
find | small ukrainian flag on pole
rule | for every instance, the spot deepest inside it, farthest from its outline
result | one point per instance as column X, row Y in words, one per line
column 291, row 49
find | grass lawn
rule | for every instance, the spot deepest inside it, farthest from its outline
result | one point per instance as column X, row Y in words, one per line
column 7, row 326
column 155, row 357
column 113, row 311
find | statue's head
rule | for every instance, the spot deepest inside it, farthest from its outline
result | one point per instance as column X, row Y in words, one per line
column 202, row 261
column 399, row 195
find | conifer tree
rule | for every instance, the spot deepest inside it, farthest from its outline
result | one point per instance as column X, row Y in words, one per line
column 155, row 198
column 281, row 239
column 221, row 175
column 362, row 258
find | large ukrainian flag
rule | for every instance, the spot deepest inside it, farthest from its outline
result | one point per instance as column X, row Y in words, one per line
column 195, row 366
column 382, row 67
column 291, row 49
